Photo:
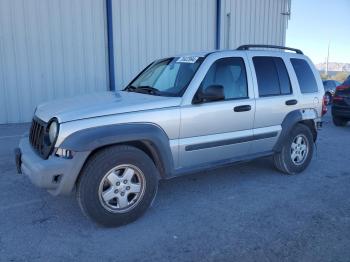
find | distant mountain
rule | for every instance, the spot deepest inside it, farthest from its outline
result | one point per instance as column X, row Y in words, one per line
column 333, row 66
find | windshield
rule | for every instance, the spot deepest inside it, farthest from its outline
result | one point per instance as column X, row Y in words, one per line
column 347, row 81
column 166, row 77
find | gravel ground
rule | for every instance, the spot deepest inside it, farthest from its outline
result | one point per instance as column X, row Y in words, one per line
column 247, row 212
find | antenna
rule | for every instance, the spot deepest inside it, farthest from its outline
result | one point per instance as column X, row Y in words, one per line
column 327, row 61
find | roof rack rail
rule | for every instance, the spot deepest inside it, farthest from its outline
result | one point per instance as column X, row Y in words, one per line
column 247, row 47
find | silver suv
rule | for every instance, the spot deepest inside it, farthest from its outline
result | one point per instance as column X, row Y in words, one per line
column 180, row 115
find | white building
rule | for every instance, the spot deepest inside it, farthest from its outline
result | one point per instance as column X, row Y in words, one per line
column 52, row 49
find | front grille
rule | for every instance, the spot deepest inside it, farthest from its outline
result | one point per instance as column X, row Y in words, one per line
column 36, row 137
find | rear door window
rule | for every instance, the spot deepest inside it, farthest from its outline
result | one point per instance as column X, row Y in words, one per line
column 283, row 76
column 305, row 76
column 272, row 76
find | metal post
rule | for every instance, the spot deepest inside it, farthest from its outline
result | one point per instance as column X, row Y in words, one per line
column 218, row 23
column 109, row 14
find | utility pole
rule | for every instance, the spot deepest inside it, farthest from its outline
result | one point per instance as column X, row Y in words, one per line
column 327, row 61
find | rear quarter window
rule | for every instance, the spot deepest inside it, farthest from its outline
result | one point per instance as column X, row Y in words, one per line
column 305, row 76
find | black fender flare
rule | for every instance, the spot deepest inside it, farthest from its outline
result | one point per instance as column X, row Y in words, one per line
column 291, row 119
column 90, row 139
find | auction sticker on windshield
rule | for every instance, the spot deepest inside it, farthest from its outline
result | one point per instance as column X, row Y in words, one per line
column 187, row 59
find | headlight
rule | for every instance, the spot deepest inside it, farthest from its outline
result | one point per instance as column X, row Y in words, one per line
column 53, row 131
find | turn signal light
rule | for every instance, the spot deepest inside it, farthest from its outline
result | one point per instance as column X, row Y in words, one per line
column 64, row 153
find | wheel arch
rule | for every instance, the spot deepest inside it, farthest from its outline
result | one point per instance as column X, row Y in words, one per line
column 311, row 125
column 144, row 145
column 303, row 116
column 149, row 138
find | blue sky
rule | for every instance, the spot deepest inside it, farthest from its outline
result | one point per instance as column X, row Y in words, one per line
column 314, row 23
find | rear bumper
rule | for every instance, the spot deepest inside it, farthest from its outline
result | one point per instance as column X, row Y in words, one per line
column 56, row 174
column 339, row 111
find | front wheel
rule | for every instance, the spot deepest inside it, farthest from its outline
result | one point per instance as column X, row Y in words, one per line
column 296, row 152
column 117, row 185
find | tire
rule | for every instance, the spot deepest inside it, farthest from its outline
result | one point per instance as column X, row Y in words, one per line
column 283, row 160
column 98, row 184
column 338, row 121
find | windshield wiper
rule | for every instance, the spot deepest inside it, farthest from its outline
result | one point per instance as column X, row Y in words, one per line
column 149, row 89
column 129, row 88
column 143, row 90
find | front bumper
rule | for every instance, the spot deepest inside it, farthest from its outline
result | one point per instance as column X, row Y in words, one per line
column 57, row 175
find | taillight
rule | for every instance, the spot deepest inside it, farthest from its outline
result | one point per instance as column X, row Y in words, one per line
column 340, row 92
column 342, row 88
column 324, row 105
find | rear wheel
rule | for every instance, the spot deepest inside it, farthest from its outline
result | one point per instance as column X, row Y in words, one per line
column 296, row 152
column 117, row 185
column 338, row 121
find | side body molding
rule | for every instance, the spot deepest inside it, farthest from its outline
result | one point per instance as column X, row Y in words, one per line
column 151, row 135
column 291, row 119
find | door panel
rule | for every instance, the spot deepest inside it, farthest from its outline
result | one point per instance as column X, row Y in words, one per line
column 274, row 100
column 213, row 132
column 221, row 130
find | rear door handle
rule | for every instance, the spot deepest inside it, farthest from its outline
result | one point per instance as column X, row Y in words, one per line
column 242, row 108
column 291, row 102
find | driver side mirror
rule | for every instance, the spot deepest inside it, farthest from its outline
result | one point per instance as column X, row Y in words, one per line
column 209, row 94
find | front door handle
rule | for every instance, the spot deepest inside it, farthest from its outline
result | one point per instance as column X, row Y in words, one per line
column 291, row 102
column 242, row 108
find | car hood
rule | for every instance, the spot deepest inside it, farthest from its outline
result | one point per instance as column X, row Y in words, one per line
column 102, row 104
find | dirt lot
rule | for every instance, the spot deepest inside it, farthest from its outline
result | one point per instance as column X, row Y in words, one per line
column 247, row 212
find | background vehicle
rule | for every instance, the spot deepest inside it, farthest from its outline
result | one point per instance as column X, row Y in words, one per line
column 329, row 89
column 341, row 104
column 179, row 115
